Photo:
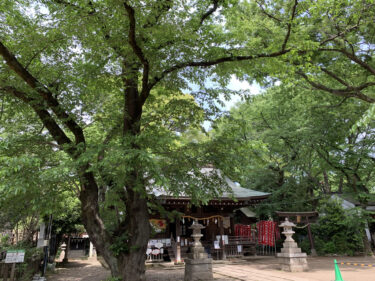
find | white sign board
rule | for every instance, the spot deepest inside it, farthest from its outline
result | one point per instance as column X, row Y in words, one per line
column 15, row 256
column 155, row 252
column 239, row 248
column 159, row 245
column 225, row 239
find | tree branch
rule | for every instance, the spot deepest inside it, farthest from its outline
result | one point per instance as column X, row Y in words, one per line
column 268, row 14
column 56, row 132
column 339, row 34
column 347, row 92
column 334, row 76
column 289, row 25
column 44, row 93
column 352, row 57
column 210, row 11
column 137, row 50
column 213, row 62
column 208, row 63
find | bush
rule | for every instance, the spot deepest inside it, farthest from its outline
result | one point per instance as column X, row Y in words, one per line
column 338, row 231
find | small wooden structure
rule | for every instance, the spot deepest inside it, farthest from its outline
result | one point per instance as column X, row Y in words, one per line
column 302, row 217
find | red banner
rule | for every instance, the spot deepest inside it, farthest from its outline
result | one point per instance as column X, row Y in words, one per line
column 268, row 231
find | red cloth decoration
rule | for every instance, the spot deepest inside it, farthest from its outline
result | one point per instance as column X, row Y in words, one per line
column 267, row 232
column 242, row 230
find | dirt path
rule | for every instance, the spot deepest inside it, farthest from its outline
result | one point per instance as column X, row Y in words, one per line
column 80, row 270
column 91, row 270
column 252, row 269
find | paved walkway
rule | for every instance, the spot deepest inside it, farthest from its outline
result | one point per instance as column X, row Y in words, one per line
column 320, row 269
column 253, row 269
column 246, row 273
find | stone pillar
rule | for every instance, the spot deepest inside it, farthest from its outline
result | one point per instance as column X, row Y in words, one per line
column 63, row 252
column 178, row 242
column 291, row 258
column 41, row 235
column 92, row 251
column 66, row 256
column 198, row 267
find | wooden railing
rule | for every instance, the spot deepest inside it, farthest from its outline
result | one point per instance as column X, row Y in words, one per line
column 237, row 246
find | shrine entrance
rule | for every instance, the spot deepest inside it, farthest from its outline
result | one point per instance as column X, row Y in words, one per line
column 305, row 218
column 220, row 239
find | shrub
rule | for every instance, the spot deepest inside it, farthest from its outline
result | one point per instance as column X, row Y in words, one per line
column 338, row 231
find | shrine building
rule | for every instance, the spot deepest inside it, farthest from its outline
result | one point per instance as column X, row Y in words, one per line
column 171, row 239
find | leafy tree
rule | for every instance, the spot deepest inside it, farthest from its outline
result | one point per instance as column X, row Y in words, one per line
column 341, row 227
column 299, row 145
column 85, row 72
column 335, row 53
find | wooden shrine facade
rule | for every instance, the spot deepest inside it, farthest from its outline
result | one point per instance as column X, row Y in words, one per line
column 218, row 218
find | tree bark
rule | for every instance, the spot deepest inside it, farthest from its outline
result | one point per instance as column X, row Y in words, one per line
column 366, row 245
column 327, row 186
column 132, row 263
column 92, row 222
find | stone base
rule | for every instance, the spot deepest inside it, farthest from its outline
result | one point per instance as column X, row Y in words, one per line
column 198, row 270
column 297, row 263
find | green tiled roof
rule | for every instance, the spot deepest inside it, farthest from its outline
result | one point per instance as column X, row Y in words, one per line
column 240, row 192
column 235, row 191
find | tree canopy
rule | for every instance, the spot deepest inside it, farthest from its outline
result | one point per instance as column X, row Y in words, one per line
column 91, row 93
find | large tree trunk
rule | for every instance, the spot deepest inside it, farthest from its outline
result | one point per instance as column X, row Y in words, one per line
column 137, row 225
column 93, row 223
column 132, row 263
column 126, row 259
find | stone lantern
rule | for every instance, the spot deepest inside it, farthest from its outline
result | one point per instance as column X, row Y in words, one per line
column 291, row 257
column 198, row 266
column 288, row 230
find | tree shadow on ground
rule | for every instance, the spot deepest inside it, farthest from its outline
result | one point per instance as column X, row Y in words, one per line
column 71, row 264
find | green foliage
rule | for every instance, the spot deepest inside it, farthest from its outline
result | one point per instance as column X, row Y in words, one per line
column 298, row 145
column 91, row 92
column 338, row 231
column 120, row 245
